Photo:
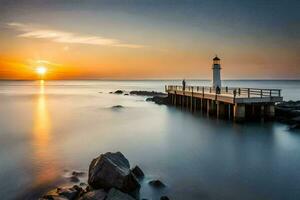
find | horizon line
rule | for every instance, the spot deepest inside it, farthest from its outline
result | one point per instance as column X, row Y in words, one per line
column 151, row 79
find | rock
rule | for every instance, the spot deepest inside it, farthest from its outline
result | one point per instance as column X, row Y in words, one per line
column 115, row 194
column 78, row 173
column 147, row 93
column 159, row 100
column 69, row 193
column 94, row 195
column 53, row 198
column 118, row 92
column 138, row 172
column 157, row 184
column 285, row 111
column 295, row 127
column 74, row 179
column 89, row 188
column 65, row 193
column 164, row 198
column 117, row 107
column 112, row 170
column 83, row 184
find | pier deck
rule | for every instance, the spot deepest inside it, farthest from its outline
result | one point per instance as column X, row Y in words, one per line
column 236, row 103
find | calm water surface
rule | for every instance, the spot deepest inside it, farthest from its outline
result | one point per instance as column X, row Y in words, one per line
column 48, row 128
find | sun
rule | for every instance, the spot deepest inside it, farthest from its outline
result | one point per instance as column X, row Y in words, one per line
column 41, row 70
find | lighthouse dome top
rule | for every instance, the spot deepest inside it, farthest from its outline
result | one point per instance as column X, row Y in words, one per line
column 216, row 58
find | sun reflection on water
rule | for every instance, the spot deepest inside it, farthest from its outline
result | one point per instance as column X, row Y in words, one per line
column 44, row 156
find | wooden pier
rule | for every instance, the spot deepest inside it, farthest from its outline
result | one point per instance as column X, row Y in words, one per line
column 238, row 104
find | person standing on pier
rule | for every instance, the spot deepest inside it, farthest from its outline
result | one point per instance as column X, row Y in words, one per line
column 183, row 84
column 218, row 90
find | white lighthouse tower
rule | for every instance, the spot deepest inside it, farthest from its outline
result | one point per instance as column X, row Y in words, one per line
column 216, row 72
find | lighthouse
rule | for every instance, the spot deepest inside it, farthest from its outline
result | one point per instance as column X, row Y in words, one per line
column 216, row 72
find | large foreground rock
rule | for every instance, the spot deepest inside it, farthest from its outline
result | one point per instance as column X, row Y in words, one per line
column 112, row 170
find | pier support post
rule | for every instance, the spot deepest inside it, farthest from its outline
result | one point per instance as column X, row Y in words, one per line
column 175, row 99
column 229, row 111
column 262, row 111
column 218, row 109
column 201, row 104
column 221, row 110
column 270, row 111
column 239, row 112
column 207, row 107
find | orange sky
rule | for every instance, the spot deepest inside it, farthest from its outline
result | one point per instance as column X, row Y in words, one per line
column 128, row 44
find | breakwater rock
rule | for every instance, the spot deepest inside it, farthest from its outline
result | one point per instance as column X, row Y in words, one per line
column 140, row 93
column 147, row 93
column 109, row 178
column 288, row 112
column 161, row 100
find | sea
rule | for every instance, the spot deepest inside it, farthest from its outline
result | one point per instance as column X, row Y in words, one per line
column 50, row 128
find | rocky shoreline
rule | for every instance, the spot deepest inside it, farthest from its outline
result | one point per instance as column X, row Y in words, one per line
column 109, row 178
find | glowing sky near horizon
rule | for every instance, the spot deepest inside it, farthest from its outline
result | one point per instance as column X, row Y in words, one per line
column 147, row 39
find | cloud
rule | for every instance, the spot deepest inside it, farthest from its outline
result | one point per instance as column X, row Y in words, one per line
column 30, row 31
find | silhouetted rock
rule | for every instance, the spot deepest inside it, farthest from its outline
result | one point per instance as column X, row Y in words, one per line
column 138, row 172
column 115, row 194
column 157, row 183
column 161, row 100
column 94, row 195
column 112, row 170
column 147, row 93
column 164, row 198
column 118, row 92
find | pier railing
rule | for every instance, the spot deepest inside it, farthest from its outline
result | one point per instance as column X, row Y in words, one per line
column 236, row 92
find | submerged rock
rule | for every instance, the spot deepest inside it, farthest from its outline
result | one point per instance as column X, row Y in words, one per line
column 112, row 170
column 138, row 172
column 94, row 195
column 164, row 198
column 115, row 194
column 157, row 184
